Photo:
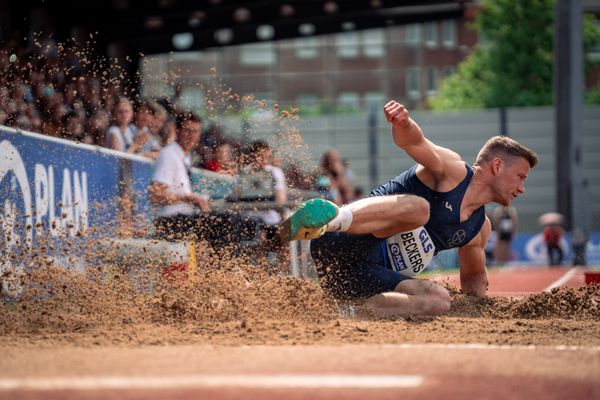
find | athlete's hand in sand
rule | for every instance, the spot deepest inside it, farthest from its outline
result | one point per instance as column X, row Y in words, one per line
column 396, row 113
column 199, row 201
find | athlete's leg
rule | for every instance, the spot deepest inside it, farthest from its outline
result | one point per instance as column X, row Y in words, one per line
column 381, row 216
column 384, row 216
column 410, row 297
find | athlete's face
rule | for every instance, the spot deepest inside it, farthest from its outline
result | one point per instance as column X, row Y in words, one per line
column 511, row 180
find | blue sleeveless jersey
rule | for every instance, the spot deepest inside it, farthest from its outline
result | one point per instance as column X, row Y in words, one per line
column 444, row 224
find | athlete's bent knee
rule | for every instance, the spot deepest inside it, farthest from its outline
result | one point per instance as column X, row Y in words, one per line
column 438, row 302
column 419, row 209
column 442, row 305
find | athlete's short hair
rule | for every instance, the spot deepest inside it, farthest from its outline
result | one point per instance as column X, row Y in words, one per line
column 507, row 149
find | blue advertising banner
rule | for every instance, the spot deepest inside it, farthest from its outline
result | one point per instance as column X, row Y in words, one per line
column 53, row 186
column 58, row 188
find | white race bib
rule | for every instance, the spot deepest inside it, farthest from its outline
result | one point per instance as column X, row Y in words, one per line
column 410, row 252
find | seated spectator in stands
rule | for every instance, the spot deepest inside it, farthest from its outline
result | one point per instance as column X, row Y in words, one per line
column 211, row 137
column 35, row 117
column 72, row 127
column 92, row 98
column 161, row 128
column 52, row 125
column 142, row 121
column 119, row 136
column 96, row 127
column 333, row 168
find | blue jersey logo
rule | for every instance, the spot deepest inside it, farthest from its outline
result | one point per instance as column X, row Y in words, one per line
column 396, row 257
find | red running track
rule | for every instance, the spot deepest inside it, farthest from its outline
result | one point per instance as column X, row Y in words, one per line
column 522, row 281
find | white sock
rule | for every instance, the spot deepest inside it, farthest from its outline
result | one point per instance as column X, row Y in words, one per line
column 341, row 222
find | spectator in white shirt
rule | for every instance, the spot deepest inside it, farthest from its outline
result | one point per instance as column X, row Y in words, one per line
column 171, row 187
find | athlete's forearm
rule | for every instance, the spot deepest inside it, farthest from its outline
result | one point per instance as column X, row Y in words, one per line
column 407, row 133
column 474, row 284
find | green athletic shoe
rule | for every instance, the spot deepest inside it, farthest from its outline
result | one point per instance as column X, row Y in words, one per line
column 309, row 221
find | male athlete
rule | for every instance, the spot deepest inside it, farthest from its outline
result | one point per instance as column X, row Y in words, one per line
column 370, row 249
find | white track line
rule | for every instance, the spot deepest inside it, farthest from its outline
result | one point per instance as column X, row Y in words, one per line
column 206, row 381
column 485, row 346
column 563, row 279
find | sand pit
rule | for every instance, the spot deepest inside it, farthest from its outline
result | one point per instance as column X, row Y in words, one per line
column 236, row 303
column 239, row 332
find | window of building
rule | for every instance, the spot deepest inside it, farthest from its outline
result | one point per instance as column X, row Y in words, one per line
column 347, row 44
column 373, row 43
column 431, row 34
column 307, row 48
column 413, row 34
column 258, row 54
column 449, row 33
column 432, row 81
column 449, row 70
column 413, row 82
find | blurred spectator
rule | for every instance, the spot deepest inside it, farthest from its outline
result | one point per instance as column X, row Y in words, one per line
column 341, row 191
column 350, row 176
column 260, row 160
column 171, row 187
column 579, row 240
column 221, row 159
column 359, row 193
column 504, row 223
column 144, row 118
column 96, row 127
column 73, row 128
column 158, row 126
column 168, row 132
column 52, row 125
column 120, row 136
column 210, row 139
column 553, row 234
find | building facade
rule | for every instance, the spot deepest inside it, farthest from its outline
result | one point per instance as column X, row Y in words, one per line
column 345, row 72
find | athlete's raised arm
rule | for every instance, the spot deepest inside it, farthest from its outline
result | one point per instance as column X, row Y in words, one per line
column 407, row 135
